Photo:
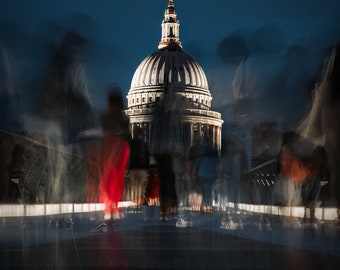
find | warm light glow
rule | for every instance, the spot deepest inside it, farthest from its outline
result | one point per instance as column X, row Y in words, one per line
column 114, row 158
column 296, row 168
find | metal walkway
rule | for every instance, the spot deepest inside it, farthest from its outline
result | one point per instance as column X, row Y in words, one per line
column 54, row 242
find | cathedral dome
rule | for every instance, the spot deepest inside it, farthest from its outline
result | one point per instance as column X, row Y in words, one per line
column 172, row 71
column 172, row 67
column 169, row 65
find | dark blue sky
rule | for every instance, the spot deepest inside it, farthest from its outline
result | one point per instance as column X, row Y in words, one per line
column 218, row 34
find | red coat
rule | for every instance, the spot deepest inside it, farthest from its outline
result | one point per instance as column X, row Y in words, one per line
column 113, row 162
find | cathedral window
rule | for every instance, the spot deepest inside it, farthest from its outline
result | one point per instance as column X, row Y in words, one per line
column 171, row 31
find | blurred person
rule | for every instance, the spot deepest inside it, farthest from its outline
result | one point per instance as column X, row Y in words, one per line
column 205, row 160
column 152, row 188
column 62, row 110
column 166, row 145
column 302, row 166
column 114, row 154
column 167, row 191
column 321, row 127
column 328, row 103
column 151, row 196
column 233, row 164
column 181, row 180
column 65, row 99
column 311, row 187
column 138, row 167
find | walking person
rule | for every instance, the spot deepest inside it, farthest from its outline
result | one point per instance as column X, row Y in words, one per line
column 167, row 145
column 114, row 154
column 206, row 162
column 138, row 167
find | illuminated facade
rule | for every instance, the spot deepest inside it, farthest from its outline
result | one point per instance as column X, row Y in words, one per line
column 170, row 67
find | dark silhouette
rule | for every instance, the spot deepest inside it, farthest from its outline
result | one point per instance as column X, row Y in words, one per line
column 64, row 97
column 64, row 109
column 167, row 144
column 330, row 122
column 304, row 165
column 138, row 167
column 205, row 162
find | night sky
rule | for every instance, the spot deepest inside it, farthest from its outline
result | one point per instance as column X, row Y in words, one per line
column 282, row 43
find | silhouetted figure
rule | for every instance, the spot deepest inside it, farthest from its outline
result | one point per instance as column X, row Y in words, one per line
column 311, row 188
column 114, row 154
column 64, row 111
column 205, row 160
column 65, row 99
column 302, row 166
column 321, row 126
column 167, row 144
column 138, row 167
column 330, row 122
column 233, row 166
column 152, row 188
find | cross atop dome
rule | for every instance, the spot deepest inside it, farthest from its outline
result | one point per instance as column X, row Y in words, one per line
column 170, row 27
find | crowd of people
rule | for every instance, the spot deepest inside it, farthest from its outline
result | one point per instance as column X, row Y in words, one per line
column 116, row 162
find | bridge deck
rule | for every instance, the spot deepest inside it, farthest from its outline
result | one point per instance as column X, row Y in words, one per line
column 132, row 242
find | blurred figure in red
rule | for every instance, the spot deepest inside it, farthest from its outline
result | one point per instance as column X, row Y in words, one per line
column 114, row 154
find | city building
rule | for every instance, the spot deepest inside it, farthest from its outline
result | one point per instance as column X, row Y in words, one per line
column 171, row 69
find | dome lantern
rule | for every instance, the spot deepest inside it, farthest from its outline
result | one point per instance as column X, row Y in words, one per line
column 170, row 27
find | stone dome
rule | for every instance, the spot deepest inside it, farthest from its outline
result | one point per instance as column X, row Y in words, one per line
column 173, row 66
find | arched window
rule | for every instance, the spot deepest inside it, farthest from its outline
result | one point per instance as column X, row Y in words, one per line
column 171, row 31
